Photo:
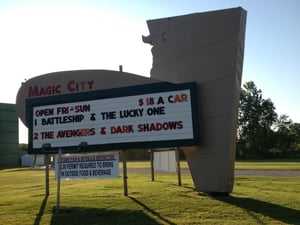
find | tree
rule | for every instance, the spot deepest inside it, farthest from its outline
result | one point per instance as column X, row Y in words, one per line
column 261, row 133
column 284, row 138
column 255, row 119
column 295, row 130
column 287, row 137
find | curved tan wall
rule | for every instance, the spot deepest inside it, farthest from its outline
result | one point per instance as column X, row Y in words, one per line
column 70, row 82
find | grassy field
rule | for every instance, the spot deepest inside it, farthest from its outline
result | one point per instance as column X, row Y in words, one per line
column 291, row 164
column 255, row 200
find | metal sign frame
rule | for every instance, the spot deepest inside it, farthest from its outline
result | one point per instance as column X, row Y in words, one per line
column 109, row 94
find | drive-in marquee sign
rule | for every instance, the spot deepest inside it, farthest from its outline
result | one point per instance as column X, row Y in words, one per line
column 143, row 116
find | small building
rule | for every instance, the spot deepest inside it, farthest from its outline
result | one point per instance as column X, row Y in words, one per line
column 9, row 137
column 32, row 160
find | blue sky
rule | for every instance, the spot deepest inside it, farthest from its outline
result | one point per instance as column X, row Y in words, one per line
column 39, row 37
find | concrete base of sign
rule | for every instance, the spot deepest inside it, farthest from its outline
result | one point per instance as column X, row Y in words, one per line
column 207, row 48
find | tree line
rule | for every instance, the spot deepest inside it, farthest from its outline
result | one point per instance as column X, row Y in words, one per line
column 261, row 132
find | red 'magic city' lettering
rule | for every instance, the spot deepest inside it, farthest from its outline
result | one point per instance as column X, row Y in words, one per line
column 37, row 91
column 72, row 86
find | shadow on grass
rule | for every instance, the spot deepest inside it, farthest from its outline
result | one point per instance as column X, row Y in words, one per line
column 151, row 211
column 41, row 212
column 254, row 207
column 91, row 216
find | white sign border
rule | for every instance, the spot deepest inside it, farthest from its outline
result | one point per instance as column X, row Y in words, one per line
column 117, row 93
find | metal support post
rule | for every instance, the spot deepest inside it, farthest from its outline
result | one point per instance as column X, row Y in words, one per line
column 47, row 174
column 178, row 165
column 152, row 164
column 58, row 181
column 125, row 172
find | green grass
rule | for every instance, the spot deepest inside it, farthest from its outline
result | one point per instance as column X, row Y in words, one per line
column 291, row 164
column 255, row 200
